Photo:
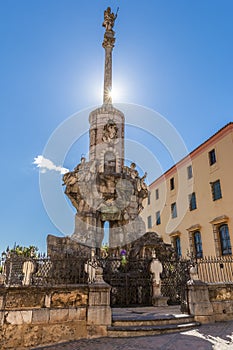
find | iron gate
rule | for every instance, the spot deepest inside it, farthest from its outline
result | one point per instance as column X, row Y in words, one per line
column 131, row 281
column 174, row 278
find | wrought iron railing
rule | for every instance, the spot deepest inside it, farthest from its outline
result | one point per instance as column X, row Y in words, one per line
column 215, row 269
column 44, row 271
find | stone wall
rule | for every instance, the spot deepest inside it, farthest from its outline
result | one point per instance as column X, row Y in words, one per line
column 60, row 247
column 211, row 302
column 35, row 316
column 221, row 298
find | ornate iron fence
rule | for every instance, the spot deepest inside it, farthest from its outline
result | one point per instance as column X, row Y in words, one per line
column 131, row 281
column 215, row 269
column 44, row 271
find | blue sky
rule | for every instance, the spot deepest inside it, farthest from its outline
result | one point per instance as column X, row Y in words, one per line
column 174, row 57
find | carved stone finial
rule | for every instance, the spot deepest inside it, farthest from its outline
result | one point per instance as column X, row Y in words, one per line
column 99, row 275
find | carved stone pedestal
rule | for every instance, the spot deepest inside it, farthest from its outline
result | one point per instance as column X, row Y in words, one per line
column 199, row 301
column 159, row 301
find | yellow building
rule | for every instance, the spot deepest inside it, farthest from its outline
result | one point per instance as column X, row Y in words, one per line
column 191, row 205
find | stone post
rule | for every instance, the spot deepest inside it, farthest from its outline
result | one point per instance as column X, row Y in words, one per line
column 199, row 303
column 156, row 269
column 99, row 313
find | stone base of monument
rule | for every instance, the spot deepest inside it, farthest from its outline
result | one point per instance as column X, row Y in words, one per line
column 159, row 301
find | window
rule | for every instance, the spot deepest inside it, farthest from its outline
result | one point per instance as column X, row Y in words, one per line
column 192, row 201
column 221, row 235
column 216, row 190
column 149, row 222
column 157, row 193
column 173, row 210
column 148, row 198
column 172, row 183
column 225, row 239
column 177, row 246
column 198, row 244
column 212, row 157
column 158, row 218
column 189, row 172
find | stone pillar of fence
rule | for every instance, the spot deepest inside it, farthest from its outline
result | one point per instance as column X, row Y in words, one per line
column 99, row 313
column 198, row 298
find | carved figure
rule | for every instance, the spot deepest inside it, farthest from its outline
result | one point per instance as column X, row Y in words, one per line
column 141, row 185
column 156, row 268
column 82, row 170
column 110, row 132
column 90, row 268
column 133, row 171
column 109, row 19
column 126, row 170
column 69, row 178
column 28, row 270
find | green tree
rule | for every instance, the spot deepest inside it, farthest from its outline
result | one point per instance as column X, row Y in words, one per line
column 31, row 251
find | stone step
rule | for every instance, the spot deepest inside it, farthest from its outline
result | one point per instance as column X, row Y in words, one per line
column 150, row 320
column 138, row 331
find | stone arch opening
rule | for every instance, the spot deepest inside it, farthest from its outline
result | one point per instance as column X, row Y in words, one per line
column 106, row 229
column 109, row 162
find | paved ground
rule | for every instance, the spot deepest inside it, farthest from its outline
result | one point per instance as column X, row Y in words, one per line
column 213, row 336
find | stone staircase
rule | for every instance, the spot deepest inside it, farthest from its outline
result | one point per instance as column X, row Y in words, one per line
column 148, row 321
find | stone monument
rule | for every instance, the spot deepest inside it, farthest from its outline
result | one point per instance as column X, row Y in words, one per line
column 103, row 189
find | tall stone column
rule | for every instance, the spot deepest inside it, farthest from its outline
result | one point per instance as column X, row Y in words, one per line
column 108, row 45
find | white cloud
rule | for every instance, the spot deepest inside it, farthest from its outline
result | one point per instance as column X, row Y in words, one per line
column 46, row 164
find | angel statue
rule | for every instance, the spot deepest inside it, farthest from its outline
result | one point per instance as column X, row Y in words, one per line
column 109, row 19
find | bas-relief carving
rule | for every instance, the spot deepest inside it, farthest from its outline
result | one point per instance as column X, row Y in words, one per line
column 110, row 133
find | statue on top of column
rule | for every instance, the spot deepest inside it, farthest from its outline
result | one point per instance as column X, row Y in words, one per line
column 109, row 19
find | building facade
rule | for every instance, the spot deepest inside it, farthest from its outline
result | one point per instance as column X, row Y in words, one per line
column 191, row 205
